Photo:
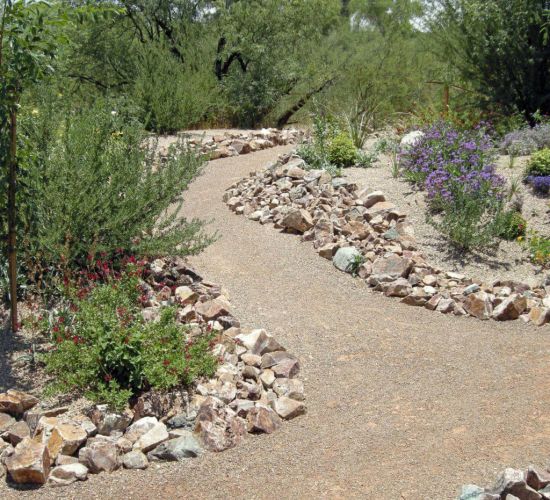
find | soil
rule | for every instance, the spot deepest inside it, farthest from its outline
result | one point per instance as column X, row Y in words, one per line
column 403, row 403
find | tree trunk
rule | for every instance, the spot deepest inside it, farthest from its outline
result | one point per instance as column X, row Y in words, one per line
column 12, row 257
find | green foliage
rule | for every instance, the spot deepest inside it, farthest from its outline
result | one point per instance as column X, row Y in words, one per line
column 501, row 48
column 106, row 350
column 539, row 248
column 539, row 164
column 341, row 151
column 471, row 222
column 355, row 265
column 98, row 185
column 513, row 225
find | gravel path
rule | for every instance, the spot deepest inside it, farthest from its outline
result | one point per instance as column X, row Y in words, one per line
column 403, row 403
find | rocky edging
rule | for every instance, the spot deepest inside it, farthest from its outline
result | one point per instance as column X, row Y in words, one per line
column 512, row 484
column 254, row 389
column 363, row 233
column 235, row 144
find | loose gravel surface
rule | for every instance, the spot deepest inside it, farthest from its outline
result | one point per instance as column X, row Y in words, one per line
column 403, row 403
column 509, row 261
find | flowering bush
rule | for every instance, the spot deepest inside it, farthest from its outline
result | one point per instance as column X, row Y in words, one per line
column 539, row 165
column 539, row 248
column 456, row 170
column 105, row 349
column 540, row 184
column 526, row 140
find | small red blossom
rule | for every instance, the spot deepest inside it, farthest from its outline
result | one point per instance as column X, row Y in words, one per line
column 166, row 362
column 108, row 377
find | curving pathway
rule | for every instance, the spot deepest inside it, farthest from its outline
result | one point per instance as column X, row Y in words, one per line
column 402, row 403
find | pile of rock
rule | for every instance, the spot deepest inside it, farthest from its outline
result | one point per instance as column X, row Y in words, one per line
column 365, row 234
column 234, row 144
column 254, row 389
column 512, row 484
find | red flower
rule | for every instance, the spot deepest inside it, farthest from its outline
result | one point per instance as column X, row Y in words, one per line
column 55, row 329
column 108, row 377
column 166, row 362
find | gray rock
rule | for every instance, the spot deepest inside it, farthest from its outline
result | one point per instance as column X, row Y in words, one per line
column 345, row 258
column 473, row 492
column 177, row 449
column 135, row 459
column 99, row 456
column 64, row 475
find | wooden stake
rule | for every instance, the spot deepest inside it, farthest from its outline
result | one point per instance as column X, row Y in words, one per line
column 12, row 186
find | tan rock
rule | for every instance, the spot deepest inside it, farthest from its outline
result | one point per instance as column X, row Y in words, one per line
column 288, row 408
column 299, row 220
column 539, row 316
column 139, row 428
column 262, row 420
column 212, row 309
column 259, row 342
column 30, row 463
column 185, row 295
column 17, row 432
column 65, row 439
column 510, row 308
column 63, row 475
column 479, row 305
column 152, row 438
column 6, row 421
column 99, row 456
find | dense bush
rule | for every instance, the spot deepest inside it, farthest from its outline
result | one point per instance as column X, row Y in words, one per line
column 540, row 183
column 539, row 164
column 341, row 151
column 456, row 169
column 104, row 348
column 527, row 140
column 539, row 248
column 513, row 225
column 93, row 182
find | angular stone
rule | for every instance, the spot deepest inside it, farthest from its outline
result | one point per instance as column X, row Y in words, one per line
column 30, row 463
column 290, row 387
column 446, row 306
column 99, row 456
column 262, row 420
column 16, row 402
column 299, row 220
column 398, row 288
column 218, row 427
column 139, row 428
column 267, row 377
column 185, row 295
column 107, row 421
column 185, row 446
column 478, row 304
column 86, row 424
column 371, row 198
column 135, row 460
column 259, row 342
column 512, row 481
column 281, row 363
column 288, row 408
column 66, row 460
column 345, row 258
column 152, row 438
column 64, row 475
column 539, row 316
column 391, row 268
column 212, row 309
column 17, row 432
column 473, row 492
column 510, row 308
column 6, row 421
column 124, row 445
column 537, row 480
column 254, row 360
column 65, row 439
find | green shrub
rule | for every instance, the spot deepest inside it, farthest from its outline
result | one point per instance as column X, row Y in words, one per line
column 539, row 249
column 104, row 348
column 539, row 165
column 513, row 225
column 341, row 151
column 93, row 182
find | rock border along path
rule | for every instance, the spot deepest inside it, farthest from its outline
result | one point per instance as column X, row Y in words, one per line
column 402, row 403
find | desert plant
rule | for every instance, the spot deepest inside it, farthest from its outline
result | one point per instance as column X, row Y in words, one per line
column 341, row 151
column 104, row 348
column 99, row 185
column 539, row 248
column 513, row 225
column 539, row 165
column 354, row 266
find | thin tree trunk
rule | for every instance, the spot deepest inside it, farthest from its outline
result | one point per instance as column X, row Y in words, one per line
column 12, row 256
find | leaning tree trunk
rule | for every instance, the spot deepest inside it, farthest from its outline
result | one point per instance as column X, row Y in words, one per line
column 12, row 256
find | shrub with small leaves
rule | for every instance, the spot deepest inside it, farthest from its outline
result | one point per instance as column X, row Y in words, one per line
column 539, row 165
column 105, row 350
column 341, row 151
column 513, row 225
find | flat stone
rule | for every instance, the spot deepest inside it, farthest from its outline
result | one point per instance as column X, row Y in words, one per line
column 63, row 475
column 288, row 408
column 65, row 439
column 299, row 220
column 152, row 438
column 345, row 258
column 262, row 420
column 391, row 268
column 6, row 421
column 135, row 460
column 510, row 308
column 30, row 463
column 473, row 492
column 479, row 305
column 17, row 432
column 185, row 295
column 99, row 456
column 139, row 428
column 66, row 460
column 16, row 402
column 290, row 387
column 281, row 363
column 259, row 342
column 267, row 377
column 212, row 309
column 180, row 448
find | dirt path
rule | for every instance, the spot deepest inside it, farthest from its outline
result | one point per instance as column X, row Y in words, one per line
column 403, row 403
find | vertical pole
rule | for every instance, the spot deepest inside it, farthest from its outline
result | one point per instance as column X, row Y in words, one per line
column 12, row 257
column 446, row 100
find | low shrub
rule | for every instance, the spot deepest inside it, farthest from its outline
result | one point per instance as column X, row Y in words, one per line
column 527, row 140
column 341, row 151
column 105, row 350
column 539, row 164
column 514, row 225
column 539, row 248
column 540, row 184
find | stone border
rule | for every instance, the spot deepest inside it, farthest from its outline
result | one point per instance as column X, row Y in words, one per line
column 235, row 144
column 254, row 389
column 363, row 233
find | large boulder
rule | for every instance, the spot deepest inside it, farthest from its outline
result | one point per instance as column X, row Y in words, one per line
column 30, row 463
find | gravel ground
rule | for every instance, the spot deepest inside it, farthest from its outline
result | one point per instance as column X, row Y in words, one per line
column 509, row 261
column 403, row 403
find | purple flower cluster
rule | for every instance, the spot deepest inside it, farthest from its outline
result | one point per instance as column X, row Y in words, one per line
column 449, row 163
column 540, row 183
